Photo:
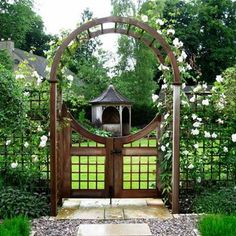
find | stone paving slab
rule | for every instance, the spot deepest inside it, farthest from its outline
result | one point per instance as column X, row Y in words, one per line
column 148, row 212
column 114, row 214
column 114, row 230
column 89, row 213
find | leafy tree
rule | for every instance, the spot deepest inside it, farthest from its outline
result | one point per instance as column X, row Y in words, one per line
column 20, row 23
column 136, row 68
column 5, row 60
column 208, row 30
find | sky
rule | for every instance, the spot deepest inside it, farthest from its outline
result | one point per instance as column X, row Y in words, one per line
column 65, row 14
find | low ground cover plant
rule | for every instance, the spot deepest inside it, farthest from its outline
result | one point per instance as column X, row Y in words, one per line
column 216, row 200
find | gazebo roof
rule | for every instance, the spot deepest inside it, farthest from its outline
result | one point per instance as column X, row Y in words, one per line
column 111, row 95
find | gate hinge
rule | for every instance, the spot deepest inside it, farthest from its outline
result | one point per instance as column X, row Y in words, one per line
column 116, row 151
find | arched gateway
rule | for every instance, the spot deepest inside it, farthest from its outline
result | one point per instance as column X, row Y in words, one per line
column 115, row 170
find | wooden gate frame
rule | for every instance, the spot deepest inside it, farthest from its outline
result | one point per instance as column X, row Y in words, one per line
column 145, row 28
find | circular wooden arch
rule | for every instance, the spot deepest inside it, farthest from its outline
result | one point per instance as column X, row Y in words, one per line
column 151, row 38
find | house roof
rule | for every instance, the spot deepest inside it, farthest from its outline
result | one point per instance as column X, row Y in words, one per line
column 111, row 95
column 37, row 62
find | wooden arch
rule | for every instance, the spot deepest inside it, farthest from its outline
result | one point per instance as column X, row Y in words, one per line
column 150, row 37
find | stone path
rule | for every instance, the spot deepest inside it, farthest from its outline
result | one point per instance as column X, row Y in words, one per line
column 114, row 230
column 121, row 209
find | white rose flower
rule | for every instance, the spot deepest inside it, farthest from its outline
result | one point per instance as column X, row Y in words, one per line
column 164, row 86
column 70, row 78
column 34, row 158
column 219, row 121
column 184, row 55
column 20, row 76
column 199, row 119
column 214, row 135
column 205, row 102
column 234, row 138
column 180, row 59
column 194, row 116
column 199, row 179
column 192, row 99
column 154, row 97
column 197, row 124
column 39, row 129
column 159, row 104
column 44, row 138
column 204, row 85
column 26, row 94
column 188, row 67
column 197, row 89
column 177, row 43
column 196, row 145
column 159, row 22
column 191, row 166
column 14, row 165
column 166, row 116
column 186, row 152
column 26, row 144
column 144, row 18
column 163, row 148
column 183, row 85
column 42, row 144
column 163, row 67
column 8, row 142
column 219, row 79
column 170, row 31
column 207, row 134
column 225, row 149
column 194, row 131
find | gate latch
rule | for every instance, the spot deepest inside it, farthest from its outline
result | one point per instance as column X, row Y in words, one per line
column 116, row 151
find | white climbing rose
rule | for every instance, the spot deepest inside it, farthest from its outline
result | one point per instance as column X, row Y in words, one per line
column 234, row 138
column 154, row 97
column 14, row 165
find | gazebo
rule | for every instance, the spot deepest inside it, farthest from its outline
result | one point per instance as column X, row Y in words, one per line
column 112, row 111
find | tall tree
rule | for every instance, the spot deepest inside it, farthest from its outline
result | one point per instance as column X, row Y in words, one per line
column 208, row 30
column 20, row 23
column 136, row 68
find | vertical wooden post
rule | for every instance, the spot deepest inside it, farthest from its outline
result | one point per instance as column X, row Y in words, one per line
column 53, row 146
column 176, row 140
column 66, row 159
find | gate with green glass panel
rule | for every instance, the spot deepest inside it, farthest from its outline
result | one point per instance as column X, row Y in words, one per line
column 95, row 166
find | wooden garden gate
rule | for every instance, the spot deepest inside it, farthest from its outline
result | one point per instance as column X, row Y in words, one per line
column 95, row 166
column 114, row 150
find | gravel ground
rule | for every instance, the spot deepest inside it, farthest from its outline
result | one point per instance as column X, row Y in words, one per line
column 184, row 225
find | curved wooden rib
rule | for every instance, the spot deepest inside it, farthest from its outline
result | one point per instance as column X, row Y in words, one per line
column 142, row 133
column 132, row 34
column 80, row 129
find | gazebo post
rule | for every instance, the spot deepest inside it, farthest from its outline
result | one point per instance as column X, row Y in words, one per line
column 176, row 146
column 121, row 121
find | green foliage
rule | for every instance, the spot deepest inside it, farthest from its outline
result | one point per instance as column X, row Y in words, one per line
column 11, row 103
column 20, row 23
column 217, row 225
column 208, row 30
column 17, row 226
column 5, row 60
column 216, row 200
column 14, row 201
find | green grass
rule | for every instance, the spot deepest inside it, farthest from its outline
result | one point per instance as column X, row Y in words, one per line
column 18, row 226
column 217, row 225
